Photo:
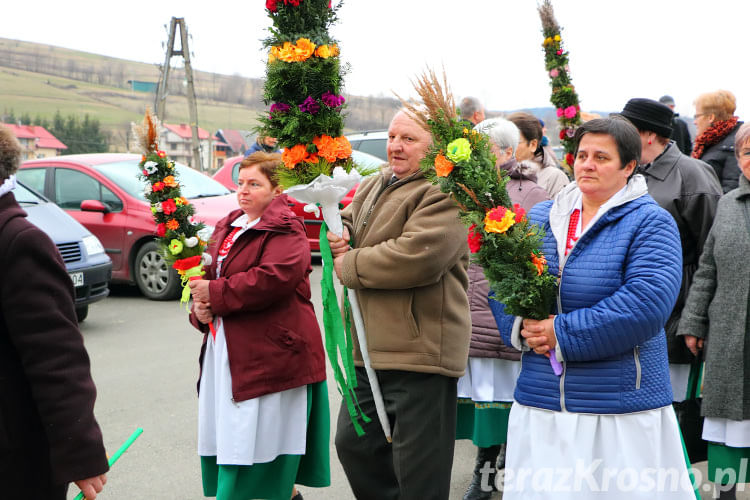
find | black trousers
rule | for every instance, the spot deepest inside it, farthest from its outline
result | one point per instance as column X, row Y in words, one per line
column 421, row 408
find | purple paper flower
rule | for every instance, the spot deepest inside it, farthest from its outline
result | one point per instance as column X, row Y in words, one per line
column 280, row 107
column 332, row 100
column 309, row 106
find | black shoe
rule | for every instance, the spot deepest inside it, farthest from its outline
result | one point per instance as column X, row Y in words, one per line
column 501, row 458
column 298, row 496
column 483, row 481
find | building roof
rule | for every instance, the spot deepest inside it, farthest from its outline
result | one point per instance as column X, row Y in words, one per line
column 42, row 137
column 235, row 139
column 183, row 130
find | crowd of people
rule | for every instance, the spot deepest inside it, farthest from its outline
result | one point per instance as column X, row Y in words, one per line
column 647, row 241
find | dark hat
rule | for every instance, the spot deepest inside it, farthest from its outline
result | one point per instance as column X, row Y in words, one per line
column 667, row 99
column 649, row 115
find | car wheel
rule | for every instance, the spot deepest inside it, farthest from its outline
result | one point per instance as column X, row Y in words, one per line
column 154, row 277
column 82, row 312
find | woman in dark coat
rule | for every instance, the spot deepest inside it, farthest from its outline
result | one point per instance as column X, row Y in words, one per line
column 48, row 434
column 716, row 126
column 689, row 190
column 263, row 405
column 717, row 313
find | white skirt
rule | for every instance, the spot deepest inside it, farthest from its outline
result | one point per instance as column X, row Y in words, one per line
column 733, row 433
column 253, row 431
column 489, row 379
column 561, row 455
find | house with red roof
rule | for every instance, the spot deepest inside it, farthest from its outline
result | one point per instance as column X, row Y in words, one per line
column 36, row 141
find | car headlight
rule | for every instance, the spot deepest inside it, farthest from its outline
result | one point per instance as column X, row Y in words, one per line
column 93, row 245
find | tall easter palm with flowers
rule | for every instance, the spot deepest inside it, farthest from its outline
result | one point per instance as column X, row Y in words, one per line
column 181, row 240
column 564, row 95
column 499, row 235
column 303, row 89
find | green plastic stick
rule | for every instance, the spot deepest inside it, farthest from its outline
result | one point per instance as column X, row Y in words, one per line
column 118, row 453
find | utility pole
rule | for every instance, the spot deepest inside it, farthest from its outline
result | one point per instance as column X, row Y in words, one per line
column 161, row 93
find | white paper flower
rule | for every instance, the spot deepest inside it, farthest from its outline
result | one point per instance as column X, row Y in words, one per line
column 191, row 242
column 150, row 167
column 157, row 206
column 206, row 259
column 147, row 190
column 205, row 233
column 328, row 192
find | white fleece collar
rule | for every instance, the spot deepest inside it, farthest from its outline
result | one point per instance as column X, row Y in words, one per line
column 8, row 186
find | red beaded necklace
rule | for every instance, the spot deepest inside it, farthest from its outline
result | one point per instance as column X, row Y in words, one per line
column 228, row 242
column 572, row 227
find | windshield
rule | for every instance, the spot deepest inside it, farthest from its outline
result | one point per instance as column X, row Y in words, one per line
column 193, row 184
column 24, row 195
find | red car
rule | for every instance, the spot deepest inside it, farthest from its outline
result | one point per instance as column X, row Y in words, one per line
column 103, row 193
column 228, row 173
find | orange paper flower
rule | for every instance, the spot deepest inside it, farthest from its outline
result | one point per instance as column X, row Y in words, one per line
column 303, row 49
column 443, row 166
column 343, row 147
column 294, row 155
column 286, row 52
column 173, row 225
column 539, row 261
column 170, row 181
column 327, row 147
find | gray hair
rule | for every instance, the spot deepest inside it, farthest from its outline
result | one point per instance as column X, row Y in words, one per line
column 469, row 106
column 503, row 133
column 741, row 138
column 10, row 153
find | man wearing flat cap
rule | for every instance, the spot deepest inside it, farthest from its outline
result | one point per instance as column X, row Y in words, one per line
column 689, row 190
column 680, row 133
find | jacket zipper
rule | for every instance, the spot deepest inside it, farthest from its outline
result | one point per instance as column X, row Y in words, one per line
column 637, row 358
column 564, row 364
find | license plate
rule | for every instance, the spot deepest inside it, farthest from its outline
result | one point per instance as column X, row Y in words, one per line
column 77, row 279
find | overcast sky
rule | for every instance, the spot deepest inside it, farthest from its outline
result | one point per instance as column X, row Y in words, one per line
column 489, row 48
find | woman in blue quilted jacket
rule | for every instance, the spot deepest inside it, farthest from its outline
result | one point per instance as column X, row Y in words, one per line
column 604, row 426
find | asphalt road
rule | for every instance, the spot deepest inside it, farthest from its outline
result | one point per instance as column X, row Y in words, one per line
column 144, row 361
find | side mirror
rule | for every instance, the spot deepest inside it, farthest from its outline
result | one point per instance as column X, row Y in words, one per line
column 94, row 206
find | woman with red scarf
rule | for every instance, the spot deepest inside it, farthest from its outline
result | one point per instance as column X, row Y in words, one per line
column 716, row 127
column 263, row 417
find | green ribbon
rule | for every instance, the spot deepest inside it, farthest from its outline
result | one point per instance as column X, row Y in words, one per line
column 338, row 338
column 185, row 279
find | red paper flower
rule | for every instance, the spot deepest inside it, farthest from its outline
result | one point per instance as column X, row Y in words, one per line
column 562, row 134
column 169, row 206
column 158, row 186
column 187, row 263
column 474, row 239
column 518, row 209
column 161, row 230
column 569, row 159
column 271, row 5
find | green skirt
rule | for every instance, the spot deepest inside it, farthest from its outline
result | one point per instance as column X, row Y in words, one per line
column 486, row 424
column 275, row 480
column 728, row 465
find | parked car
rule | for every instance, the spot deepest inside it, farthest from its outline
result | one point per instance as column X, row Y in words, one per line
column 373, row 142
column 228, row 174
column 103, row 193
column 88, row 266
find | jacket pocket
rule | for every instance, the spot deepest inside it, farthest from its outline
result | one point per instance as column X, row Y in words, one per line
column 410, row 316
column 637, row 359
column 285, row 339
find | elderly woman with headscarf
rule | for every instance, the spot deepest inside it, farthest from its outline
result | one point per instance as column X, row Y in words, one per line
column 716, row 126
column 688, row 189
column 717, row 317
column 607, row 408
column 485, row 392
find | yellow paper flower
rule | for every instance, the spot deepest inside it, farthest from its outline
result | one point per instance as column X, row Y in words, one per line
column 334, row 50
column 286, row 52
column 557, row 38
column 499, row 220
column 324, row 51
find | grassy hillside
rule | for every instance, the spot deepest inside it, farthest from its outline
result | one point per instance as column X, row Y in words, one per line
column 39, row 80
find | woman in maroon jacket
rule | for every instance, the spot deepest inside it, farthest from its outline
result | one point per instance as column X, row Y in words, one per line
column 263, row 404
